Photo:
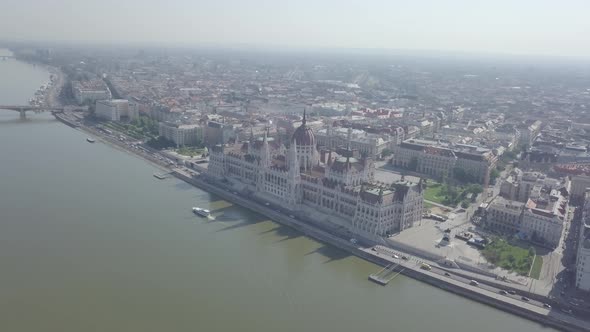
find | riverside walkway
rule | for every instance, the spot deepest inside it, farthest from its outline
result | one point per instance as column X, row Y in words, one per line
column 487, row 294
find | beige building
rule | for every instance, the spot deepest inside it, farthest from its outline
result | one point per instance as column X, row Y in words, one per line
column 368, row 144
column 504, row 216
column 115, row 109
column 520, row 186
column 90, row 91
column 543, row 219
column 540, row 220
column 181, row 134
column 529, row 132
column 439, row 160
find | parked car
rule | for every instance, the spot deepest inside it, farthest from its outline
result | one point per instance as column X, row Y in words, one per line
column 547, row 305
column 503, row 292
column 524, row 298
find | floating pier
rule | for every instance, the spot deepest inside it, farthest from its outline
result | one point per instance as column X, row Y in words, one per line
column 162, row 176
column 387, row 274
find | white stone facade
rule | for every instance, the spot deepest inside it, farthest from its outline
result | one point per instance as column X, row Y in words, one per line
column 540, row 220
column 181, row 134
column 439, row 161
column 504, row 216
column 115, row 109
column 370, row 145
column 341, row 188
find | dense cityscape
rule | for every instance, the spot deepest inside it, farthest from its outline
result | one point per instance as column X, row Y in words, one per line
column 471, row 175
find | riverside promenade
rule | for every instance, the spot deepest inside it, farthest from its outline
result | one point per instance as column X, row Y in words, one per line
column 326, row 234
column 487, row 295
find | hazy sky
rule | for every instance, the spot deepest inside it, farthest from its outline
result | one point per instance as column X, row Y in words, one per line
column 548, row 27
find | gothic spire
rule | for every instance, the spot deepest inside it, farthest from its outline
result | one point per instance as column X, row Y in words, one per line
column 304, row 120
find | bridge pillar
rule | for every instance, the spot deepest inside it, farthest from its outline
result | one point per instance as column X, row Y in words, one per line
column 23, row 114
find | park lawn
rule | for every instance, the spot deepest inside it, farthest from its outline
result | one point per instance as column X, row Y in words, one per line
column 126, row 129
column 189, row 151
column 509, row 257
column 537, row 265
column 433, row 193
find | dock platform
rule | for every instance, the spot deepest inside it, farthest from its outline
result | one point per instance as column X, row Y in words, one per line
column 387, row 274
column 161, row 176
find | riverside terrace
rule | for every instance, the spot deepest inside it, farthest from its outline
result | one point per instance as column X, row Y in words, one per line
column 533, row 310
column 486, row 292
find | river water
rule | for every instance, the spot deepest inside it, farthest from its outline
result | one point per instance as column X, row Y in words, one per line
column 90, row 241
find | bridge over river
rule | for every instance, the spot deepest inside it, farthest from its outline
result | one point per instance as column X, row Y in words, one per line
column 22, row 109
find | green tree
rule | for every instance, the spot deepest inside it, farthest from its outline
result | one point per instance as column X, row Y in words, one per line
column 494, row 174
column 532, row 251
column 160, row 143
column 474, row 189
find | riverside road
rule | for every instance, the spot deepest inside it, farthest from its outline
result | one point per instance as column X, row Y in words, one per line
column 485, row 293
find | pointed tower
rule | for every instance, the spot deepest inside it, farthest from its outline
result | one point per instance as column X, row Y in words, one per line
column 292, row 159
column 304, row 121
column 265, row 153
column 349, row 138
column 251, row 141
column 294, row 179
column 306, row 144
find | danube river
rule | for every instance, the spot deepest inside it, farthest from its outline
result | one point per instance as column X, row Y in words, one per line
column 90, row 241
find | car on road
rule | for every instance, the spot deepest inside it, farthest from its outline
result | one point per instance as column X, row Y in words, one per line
column 474, row 283
column 395, row 256
column 503, row 292
column 524, row 298
column 511, row 292
column 405, row 258
column 547, row 305
column 425, row 267
column 447, row 274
